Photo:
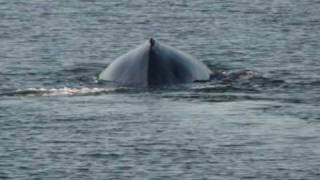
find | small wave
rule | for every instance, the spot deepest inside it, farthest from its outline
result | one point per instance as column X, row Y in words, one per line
column 83, row 91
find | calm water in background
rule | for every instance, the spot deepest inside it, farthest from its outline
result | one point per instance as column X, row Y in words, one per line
column 258, row 118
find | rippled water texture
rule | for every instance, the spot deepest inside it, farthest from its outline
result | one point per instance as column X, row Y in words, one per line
column 258, row 118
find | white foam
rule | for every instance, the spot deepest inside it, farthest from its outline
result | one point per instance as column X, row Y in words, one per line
column 65, row 91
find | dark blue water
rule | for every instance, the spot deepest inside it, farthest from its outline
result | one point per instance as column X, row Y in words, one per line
column 258, row 118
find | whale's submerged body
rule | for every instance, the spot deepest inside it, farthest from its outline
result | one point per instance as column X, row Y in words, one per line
column 155, row 64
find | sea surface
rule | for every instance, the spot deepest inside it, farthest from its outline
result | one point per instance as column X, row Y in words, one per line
column 258, row 117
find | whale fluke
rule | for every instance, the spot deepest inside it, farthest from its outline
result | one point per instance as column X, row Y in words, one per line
column 155, row 64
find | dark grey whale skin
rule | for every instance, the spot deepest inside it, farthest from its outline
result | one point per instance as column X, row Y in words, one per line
column 155, row 64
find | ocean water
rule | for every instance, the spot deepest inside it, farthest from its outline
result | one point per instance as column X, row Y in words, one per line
column 258, row 118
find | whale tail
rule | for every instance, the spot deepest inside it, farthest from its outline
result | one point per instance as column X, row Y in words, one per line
column 154, row 63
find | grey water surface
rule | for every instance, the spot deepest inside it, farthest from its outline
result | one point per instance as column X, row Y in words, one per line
column 258, row 118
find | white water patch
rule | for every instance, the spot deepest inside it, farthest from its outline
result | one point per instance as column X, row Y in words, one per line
column 65, row 91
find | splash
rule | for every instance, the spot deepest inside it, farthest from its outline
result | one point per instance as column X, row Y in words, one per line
column 65, row 91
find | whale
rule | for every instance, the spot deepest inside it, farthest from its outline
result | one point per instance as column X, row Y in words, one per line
column 155, row 64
